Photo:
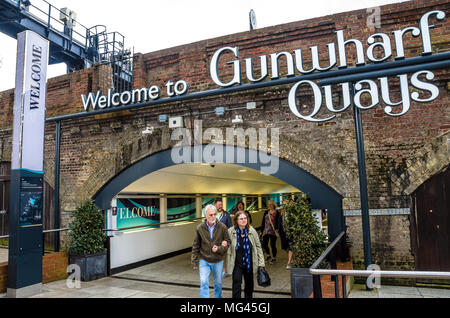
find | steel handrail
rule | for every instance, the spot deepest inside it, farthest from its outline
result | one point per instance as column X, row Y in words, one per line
column 162, row 223
column 381, row 273
column 56, row 230
column 49, row 25
column 154, row 224
column 327, row 251
column 131, row 227
column 44, row 231
column 364, row 273
column 335, row 273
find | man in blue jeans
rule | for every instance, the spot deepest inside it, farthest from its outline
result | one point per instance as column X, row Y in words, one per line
column 211, row 242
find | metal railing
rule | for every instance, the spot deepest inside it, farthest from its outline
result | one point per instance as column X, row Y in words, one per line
column 131, row 227
column 164, row 223
column 330, row 254
column 43, row 236
column 43, row 232
column 91, row 45
column 49, row 15
column 152, row 225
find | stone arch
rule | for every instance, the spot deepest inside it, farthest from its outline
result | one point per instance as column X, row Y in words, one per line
column 321, row 194
column 331, row 172
column 428, row 161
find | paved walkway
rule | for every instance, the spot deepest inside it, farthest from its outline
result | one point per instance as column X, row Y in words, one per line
column 3, row 254
column 170, row 278
column 174, row 278
column 358, row 291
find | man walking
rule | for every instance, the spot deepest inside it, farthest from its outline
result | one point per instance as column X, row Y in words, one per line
column 222, row 215
column 210, row 245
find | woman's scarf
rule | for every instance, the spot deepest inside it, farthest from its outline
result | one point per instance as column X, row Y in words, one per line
column 246, row 246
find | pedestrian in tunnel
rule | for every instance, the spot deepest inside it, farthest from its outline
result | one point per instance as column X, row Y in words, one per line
column 244, row 256
column 240, row 207
column 281, row 227
column 210, row 245
column 224, row 217
column 269, row 231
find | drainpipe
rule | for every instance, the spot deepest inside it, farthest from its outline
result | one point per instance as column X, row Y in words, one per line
column 56, row 239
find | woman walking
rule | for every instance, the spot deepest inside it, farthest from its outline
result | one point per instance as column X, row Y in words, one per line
column 244, row 255
column 240, row 207
column 269, row 231
column 285, row 242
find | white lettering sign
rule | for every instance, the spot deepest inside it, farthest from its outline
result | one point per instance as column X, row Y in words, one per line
column 29, row 102
column 366, row 89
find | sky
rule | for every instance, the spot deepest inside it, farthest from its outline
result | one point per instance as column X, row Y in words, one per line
column 154, row 25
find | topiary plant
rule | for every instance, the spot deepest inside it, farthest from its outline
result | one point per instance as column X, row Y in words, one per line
column 86, row 236
column 307, row 241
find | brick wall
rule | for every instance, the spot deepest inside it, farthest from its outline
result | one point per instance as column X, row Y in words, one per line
column 390, row 238
column 54, row 267
column 328, row 285
column 3, row 276
column 401, row 153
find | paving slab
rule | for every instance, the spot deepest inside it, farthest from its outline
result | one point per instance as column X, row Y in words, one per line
column 109, row 291
column 3, row 254
column 434, row 292
column 401, row 290
column 362, row 294
column 388, row 295
column 178, row 269
column 148, row 295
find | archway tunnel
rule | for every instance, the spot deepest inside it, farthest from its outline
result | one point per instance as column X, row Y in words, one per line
column 161, row 190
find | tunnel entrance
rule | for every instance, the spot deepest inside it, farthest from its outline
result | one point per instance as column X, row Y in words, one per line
column 180, row 189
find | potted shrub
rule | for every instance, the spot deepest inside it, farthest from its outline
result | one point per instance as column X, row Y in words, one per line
column 307, row 242
column 86, row 241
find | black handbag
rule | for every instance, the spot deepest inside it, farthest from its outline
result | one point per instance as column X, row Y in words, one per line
column 263, row 277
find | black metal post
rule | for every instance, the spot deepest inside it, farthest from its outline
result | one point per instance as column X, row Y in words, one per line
column 43, row 243
column 108, row 255
column 344, row 286
column 317, row 288
column 336, row 287
column 362, row 182
column 56, row 225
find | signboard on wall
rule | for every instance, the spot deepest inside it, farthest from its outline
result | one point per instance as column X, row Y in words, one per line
column 146, row 211
column 374, row 83
column 136, row 212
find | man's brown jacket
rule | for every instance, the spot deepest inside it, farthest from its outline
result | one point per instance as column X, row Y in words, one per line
column 202, row 246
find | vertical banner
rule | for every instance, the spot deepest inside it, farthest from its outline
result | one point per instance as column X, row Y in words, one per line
column 27, row 176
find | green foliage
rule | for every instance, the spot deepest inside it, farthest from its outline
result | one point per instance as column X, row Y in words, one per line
column 86, row 230
column 307, row 241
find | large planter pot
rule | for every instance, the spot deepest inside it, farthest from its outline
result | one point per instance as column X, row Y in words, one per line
column 91, row 266
column 301, row 283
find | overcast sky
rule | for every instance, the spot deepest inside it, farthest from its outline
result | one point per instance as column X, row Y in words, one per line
column 154, row 25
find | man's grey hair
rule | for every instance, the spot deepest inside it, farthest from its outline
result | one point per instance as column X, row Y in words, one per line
column 207, row 208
